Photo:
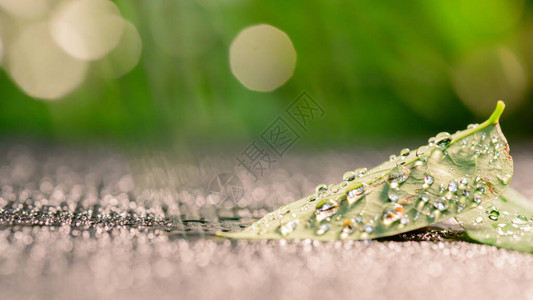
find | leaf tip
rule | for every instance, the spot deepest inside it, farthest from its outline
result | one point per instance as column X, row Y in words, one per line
column 495, row 117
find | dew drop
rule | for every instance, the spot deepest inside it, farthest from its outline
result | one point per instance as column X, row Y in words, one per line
column 311, row 198
column 394, row 195
column 325, row 209
column 422, row 150
column 333, row 188
column 442, row 139
column 348, row 176
column 494, row 215
column 477, row 198
column 321, row 189
column 441, row 204
column 344, row 184
column 463, row 183
column 288, row 227
column 452, row 186
column 360, row 172
column 392, row 157
column 505, row 179
column 347, row 229
column 431, row 141
column 404, row 220
column 405, row 152
column 481, row 187
column 357, row 190
column 424, row 196
column 392, row 213
column 323, row 228
column 284, row 210
column 399, row 174
column 428, row 181
column 368, row 229
column 520, row 220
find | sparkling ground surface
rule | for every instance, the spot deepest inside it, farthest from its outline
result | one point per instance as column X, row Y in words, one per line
column 92, row 223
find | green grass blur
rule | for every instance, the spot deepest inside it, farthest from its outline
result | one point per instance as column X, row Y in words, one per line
column 382, row 71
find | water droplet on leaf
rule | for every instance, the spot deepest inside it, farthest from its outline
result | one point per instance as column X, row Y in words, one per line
column 325, row 209
column 323, row 228
column 288, row 227
column 348, row 176
column 442, row 139
column 392, row 213
column 399, row 174
column 357, row 190
column 441, row 204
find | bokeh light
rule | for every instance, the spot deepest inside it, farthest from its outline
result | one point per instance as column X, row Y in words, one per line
column 40, row 68
column 1, row 51
column 198, row 64
column 26, row 9
column 486, row 76
column 125, row 56
column 87, row 29
column 180, row 28
column 262, row 58
column 497, row 16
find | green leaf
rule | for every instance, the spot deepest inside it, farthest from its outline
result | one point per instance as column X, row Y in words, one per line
column 451, row 175
column 506, row 222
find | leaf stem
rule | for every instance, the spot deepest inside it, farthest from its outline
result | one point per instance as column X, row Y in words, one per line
column 492, row 120
column 495, row 117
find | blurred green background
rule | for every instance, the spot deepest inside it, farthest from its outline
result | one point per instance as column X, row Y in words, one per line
column 382, row 70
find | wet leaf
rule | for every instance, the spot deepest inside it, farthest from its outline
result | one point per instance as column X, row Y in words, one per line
column 449, row 176
column 506, row 222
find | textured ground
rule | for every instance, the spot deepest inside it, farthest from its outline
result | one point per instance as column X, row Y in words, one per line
column 79, row 223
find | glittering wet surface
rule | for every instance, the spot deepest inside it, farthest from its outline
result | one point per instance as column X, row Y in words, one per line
column 94, row 223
